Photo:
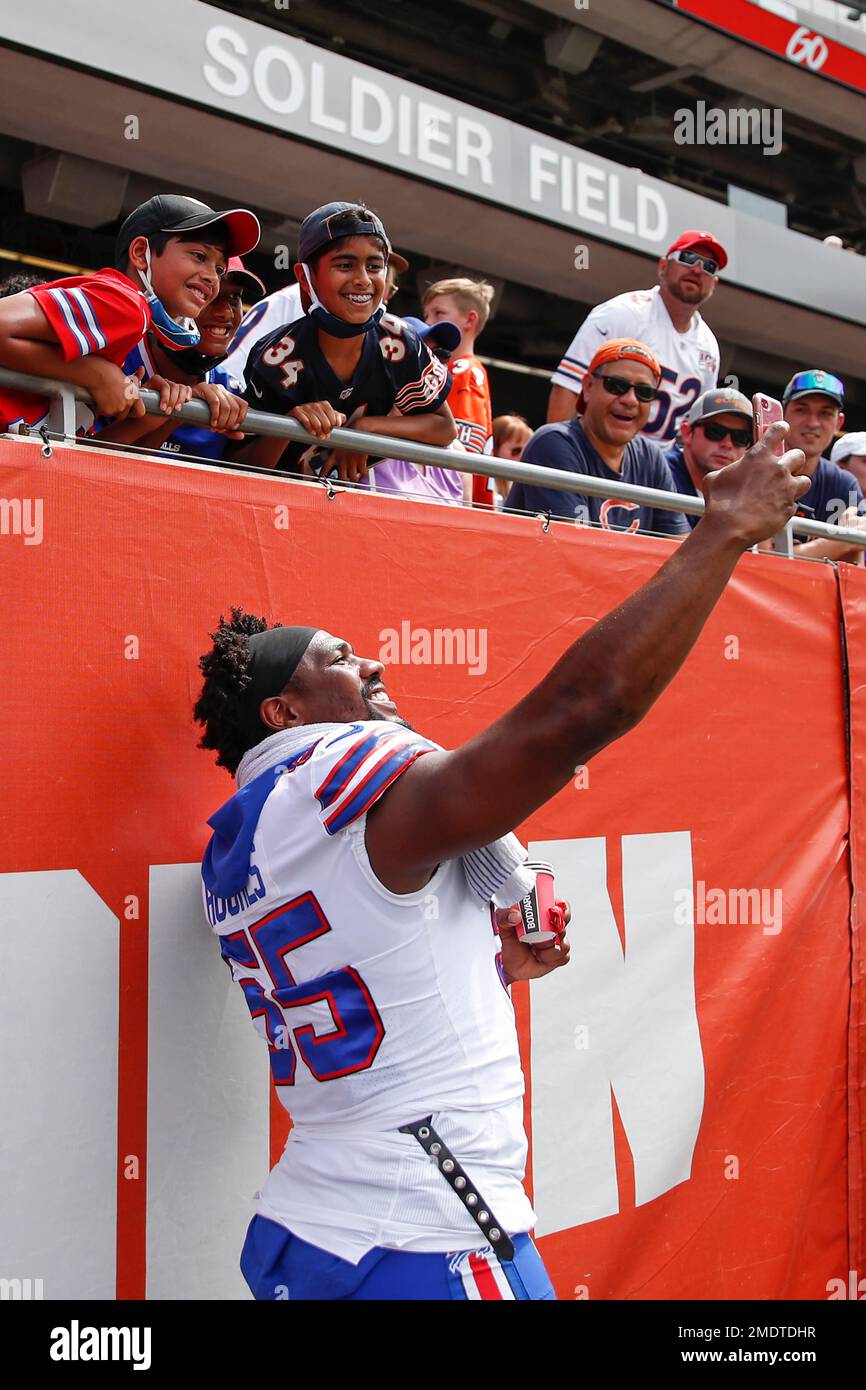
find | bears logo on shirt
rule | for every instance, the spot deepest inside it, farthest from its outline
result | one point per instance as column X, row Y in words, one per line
column 609, row 506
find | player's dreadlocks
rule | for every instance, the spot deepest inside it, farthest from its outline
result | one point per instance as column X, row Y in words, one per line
column 226, row 676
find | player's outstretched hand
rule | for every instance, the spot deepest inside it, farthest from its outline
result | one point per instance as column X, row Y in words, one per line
column 520, row 962
column 318, row 418
column 756, row 496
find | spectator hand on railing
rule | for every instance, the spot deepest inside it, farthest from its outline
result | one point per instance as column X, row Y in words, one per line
column 227, row 411
column 172, row 394
column 318, row 418
column 115, row 394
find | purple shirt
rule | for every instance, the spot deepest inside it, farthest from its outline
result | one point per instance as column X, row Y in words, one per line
column 397, row 475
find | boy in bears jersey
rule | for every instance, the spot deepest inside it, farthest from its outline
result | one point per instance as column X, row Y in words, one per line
column 346, row 361
column 82, row 328
column 350, row 883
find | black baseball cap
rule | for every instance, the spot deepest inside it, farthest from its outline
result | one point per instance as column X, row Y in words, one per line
column 170, row 212
column 335, row 220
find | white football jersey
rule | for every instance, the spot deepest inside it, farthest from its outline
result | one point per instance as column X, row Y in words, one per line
column 689, row 361
column 283, row 306
column 378, row 1008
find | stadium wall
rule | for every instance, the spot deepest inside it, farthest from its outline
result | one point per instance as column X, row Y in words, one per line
column 694, row 1078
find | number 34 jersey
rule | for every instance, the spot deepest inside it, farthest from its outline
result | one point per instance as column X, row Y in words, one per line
column 378, row 1008
column 395, row 370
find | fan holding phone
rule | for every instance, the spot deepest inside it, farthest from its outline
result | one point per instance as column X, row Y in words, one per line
column 717, row 430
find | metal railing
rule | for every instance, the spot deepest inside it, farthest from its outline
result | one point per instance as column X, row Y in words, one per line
column 62, row 423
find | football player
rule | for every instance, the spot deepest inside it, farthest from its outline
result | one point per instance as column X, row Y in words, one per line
column 350, row 883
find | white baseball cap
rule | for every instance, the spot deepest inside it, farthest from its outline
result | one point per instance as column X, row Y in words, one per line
column 853, row 443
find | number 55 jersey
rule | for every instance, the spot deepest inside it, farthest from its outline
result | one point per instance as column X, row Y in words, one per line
column 377, row 1008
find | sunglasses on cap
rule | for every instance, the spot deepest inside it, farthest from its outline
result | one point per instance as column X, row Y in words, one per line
column 692, row 258
column 620, row 386
column 743, row 439
column 815, row 381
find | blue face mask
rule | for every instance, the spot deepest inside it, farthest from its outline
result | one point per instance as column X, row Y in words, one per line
column 330, row 323
column 171, row 333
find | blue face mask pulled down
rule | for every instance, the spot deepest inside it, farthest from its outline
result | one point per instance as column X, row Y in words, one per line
column 170, row 332
column 330, row 323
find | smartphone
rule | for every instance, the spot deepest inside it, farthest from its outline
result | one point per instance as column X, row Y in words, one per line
column 767, row 411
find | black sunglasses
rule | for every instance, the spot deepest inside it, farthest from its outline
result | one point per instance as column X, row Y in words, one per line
column 743, row 439
column 620, row 386
column 692, row 258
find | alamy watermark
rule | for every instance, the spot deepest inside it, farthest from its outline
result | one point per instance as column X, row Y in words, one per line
column 741, row 125
column 437, row 646
column 22, row 516
column 729, row 907
column 77, row 1343
column 21, row 1290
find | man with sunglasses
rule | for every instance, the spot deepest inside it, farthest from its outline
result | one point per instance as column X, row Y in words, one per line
column 814, row 404
column 717, row 431
column 668, row 320
column 604, row 440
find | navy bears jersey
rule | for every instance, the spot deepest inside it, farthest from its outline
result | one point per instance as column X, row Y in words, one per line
column 288, row 368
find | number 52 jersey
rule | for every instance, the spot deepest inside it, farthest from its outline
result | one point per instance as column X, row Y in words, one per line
column 377, row 1008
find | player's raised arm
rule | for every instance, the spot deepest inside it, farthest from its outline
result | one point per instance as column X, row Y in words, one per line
column 450, row 802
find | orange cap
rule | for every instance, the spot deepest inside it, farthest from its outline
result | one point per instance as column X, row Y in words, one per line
column 615, row 351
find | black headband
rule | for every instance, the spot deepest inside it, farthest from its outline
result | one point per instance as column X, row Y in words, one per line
column 274, row 657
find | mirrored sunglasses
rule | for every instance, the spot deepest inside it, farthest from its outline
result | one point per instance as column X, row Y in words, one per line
column 816, row 381
column 692, row 258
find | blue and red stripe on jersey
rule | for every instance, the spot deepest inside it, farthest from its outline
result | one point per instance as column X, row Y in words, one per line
column 381, row 761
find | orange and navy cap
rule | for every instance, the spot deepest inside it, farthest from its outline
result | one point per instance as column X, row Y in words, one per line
column 701, row 241
column 615, row 351
column 332, row 221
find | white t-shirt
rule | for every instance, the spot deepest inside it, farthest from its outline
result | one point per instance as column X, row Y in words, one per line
column 384, row 1009
column 283, row 306
column 689, row 361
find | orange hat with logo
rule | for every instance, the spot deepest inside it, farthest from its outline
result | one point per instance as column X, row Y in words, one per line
column 615, row 351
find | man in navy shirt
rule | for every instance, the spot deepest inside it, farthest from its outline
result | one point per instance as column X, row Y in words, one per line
column 604, row 441
column 717, row 430
column 814, row 402
column 346, row 361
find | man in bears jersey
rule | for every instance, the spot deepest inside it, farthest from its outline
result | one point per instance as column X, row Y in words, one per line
column 346, row 362
column 170, row 252
column 668, row 319
column 350, row 880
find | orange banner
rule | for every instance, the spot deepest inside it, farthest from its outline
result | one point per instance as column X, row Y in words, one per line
column 694, row 1084
column 853, row 592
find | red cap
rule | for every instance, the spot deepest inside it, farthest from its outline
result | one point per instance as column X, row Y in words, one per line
column 704, row 241
column 614, row 351
column 254, row 288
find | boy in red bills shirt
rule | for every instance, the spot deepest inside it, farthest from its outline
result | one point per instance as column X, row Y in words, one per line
column 80, row 329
